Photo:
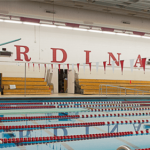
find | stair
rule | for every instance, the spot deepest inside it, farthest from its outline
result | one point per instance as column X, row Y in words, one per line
column 34, row 86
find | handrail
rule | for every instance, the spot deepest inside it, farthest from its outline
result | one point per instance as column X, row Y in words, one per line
column 119, row 88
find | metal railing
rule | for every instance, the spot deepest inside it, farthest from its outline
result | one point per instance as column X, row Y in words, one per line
column 118, row 87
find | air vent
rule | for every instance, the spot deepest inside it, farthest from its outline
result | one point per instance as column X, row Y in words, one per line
column 50, row 12
column 134, row 1
column 126, row 22
column 91, row 1
column 120, row 6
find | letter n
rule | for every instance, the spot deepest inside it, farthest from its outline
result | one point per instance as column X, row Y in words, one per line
column 113, row 58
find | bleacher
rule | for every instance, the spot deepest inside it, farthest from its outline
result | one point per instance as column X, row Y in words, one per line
column 102, row 86
column 32, row 85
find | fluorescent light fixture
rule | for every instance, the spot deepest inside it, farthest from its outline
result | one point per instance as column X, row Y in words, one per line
column 84, row 27
column 60, row 24
column 46, row 22
column 96, row 28
column 15, row 18
column 108, row 32
column 12, row 21
column 47, row 25
column 63, row 27
column 123, row 34
column 134, row 35
column 33, row 24
column 118, row 31
column 145, row 37
column 79, row 29
column 1, row 20
column 95, row 31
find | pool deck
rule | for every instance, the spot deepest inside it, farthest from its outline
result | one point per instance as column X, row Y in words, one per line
column 72, row 95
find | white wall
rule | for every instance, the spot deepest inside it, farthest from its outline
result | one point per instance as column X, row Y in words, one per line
column 40, row 40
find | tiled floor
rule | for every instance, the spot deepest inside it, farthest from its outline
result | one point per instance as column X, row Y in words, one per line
column 74, row 95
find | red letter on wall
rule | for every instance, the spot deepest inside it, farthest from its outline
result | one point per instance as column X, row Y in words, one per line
column 18, row 51
column 87, row 56
column 140, row 61
column 54, row 55
column 114, row 59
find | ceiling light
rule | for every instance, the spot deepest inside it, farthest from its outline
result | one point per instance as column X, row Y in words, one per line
column 60, row 24
column 46, row 22
column 84, row 27
column 123, row 34
column 118, row 31
column 12, row 21
column 145, row 37
column 15, row 18
column 79, row 29
column 134, row 35
column 96, row 28
column 62, row 27
column 108, row 32
column 95, row 31
column 1, row 20
column 47, row 25
column 33, row 24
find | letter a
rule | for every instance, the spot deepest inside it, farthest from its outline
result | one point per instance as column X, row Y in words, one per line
column 140, row 61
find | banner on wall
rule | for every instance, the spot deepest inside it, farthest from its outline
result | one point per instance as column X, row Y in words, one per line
column 59, row 67
column 97, row 65
column 90, row 66
column 47, row 66
column 84, row 67
column 28, row 65
column 72, row 67
column 131, row 64
column 113, row 65
column 33, row 66
column 68, row 67
column 52, row 66
column 104, row 64
column 78, row 66
column 143, row 63
column 39, row 67
column 121, row 63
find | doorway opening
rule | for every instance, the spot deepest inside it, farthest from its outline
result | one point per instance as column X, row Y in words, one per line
column 62, row 81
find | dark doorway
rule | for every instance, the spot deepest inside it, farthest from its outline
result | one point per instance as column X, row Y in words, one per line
column 62, row 81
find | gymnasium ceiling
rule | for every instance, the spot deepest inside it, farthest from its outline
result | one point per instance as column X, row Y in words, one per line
column 137, row 8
